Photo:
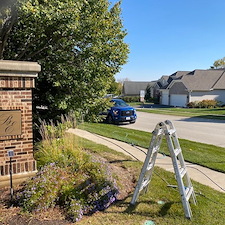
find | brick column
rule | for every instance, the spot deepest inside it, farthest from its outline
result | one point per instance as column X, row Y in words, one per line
column 16, row 134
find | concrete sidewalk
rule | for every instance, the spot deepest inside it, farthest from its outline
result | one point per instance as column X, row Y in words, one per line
column 200, row 174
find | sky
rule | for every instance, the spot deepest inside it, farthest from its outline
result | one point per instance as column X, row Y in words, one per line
column 165, row 36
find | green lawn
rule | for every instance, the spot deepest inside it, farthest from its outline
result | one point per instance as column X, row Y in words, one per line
column 206, row 155
column 214, row 113
column 161, row 204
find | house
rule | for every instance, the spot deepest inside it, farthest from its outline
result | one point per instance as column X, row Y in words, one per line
column 184, row 87
column 163, row 81
column 133, row 88
column 164, row 92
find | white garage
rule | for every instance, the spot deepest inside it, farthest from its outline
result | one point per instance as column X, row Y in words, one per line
column 178, row 100
column 165, row 98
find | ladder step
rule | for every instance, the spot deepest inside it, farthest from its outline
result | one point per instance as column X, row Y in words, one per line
column 177, row 151
column 171, row 131
column 150, row 166
column 183, row 171
column 155, row 149
column 144, row 184
column 189, row 191
column 158, row 132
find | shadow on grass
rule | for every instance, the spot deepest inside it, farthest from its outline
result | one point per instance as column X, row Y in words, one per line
column 206, row 118
column 124, row 160
column 165, row 208
column 132, row 209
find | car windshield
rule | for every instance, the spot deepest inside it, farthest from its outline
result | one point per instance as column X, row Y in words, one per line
column 119, row 103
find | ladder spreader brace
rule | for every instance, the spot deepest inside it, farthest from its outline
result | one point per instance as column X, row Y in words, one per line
column 184, row 183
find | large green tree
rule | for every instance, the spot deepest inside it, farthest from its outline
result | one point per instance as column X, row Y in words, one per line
column 80, row 46
column 8, row 17
column 115, row 88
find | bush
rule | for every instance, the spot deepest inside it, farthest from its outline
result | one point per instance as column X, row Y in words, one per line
column 80, row 191
column 203, row 104
column 194, row 104
column 131, row 98
column 153, row 100
column 49, row 131
column 208, row 104
column 148, row 93
column 41, row 192
column 63, row 151
column 70, row 178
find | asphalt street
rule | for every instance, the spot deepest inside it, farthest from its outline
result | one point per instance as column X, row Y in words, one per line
column 195, row 129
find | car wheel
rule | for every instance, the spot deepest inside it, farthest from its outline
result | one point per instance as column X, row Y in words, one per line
column 109, row 119
column 133, row 121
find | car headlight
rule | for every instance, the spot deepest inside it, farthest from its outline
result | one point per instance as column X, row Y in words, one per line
column 116, row 112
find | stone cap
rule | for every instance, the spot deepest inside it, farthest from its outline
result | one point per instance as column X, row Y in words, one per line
column 19, row 68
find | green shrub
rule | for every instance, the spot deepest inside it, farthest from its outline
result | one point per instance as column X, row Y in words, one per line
column 153, row 100
column 208, row 104
column 74, row 210
column 131, row 98
column 41, row 192
column 194, row 104
column 78, row 192
column 63, row 151
column 203, row 104
column 148, row 93
column 68, row 177
column 49, row 131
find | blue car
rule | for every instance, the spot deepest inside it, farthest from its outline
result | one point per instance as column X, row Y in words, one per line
column 121, row 112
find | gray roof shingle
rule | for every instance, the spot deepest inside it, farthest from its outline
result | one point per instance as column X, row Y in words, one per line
column 134, row 87
column 175, row 76
column 204, row 80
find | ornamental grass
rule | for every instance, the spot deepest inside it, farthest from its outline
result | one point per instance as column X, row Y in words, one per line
column 68, row 177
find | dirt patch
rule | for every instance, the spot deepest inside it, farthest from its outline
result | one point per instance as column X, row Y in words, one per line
column 12, row 215
column 125, row 180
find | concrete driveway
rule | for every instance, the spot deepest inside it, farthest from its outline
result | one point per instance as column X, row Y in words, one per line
column 195, row 129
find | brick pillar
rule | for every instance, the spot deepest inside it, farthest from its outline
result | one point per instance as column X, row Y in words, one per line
column 16, row 82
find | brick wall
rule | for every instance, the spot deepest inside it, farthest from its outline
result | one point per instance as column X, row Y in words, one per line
column 16, row 95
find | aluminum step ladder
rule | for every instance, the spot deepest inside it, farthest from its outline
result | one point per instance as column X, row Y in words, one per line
column 185, row 187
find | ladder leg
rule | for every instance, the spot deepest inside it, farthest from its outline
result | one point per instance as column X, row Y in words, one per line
column 148, row 166
column 185, row 186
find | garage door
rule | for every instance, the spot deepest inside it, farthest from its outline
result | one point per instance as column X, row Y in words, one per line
column 178, row 100
column 165, row 99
